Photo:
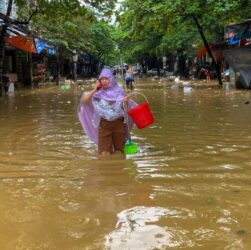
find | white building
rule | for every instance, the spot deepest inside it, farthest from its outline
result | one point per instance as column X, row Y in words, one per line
column 3, row 8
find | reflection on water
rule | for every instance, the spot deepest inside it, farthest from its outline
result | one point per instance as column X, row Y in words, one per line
column 187, row 188
column 135, row 229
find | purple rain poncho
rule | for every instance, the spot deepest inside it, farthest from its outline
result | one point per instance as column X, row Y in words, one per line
column 87, row 115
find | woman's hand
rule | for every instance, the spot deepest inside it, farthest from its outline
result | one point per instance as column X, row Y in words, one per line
column 86, row 98
column 126, row 98
column 97, row 86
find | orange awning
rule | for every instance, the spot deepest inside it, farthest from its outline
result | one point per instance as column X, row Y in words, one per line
column 25, row 43
column 203, row 51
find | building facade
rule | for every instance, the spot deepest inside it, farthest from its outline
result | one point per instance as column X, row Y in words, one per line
column 3, row 8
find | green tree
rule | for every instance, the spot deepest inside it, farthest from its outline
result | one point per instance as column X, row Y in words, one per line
column 172, row 25
column 65, row 23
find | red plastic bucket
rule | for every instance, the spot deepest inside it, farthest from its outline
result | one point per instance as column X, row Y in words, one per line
column 142, row 115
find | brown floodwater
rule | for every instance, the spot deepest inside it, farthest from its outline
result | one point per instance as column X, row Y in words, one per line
column 189, row 186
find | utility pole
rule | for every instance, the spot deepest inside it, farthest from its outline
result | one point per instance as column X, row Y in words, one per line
column 58, row 65
column 200, row 29
column 74, row 64
column 208, row 49
column 122, row 68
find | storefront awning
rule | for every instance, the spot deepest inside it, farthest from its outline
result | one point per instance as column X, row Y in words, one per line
column 25, row 43
column 43, row 45
column 203, row 51
column 40, row 45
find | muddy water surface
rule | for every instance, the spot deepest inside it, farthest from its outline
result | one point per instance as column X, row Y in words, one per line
column 187, row 188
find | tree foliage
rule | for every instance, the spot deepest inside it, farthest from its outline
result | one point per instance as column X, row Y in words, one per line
column 156, row 27
column 146, row 28
column 72, row 24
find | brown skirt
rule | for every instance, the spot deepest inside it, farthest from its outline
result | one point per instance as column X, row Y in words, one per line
column 111, row 136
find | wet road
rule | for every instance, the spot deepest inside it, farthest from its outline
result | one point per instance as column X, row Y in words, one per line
column 188, row 187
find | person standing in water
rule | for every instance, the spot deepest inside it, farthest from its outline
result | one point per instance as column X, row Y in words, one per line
column 208, row 75
column 129, row 78
column 102, row 114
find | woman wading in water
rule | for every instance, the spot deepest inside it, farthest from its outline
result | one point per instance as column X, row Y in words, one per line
column 102, row 114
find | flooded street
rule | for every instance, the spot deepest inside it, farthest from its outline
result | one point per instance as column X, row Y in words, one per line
column 188, row 187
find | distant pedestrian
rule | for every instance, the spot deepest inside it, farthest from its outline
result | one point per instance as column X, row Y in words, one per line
column 6, row 83
column 129, row 78
column 208, row 75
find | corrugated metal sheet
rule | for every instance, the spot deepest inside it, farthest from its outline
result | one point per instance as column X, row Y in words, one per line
column 240, row 60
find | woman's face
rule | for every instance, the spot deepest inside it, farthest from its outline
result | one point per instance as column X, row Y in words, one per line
column 105, row 82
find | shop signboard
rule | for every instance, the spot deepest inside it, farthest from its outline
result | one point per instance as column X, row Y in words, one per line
column 240, row 29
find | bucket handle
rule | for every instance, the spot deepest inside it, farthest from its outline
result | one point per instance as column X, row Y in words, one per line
column 138, row 93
